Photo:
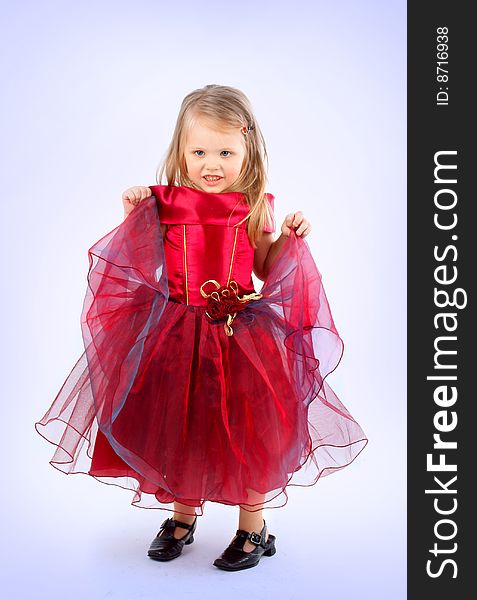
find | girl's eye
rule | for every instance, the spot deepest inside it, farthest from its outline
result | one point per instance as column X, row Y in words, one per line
column 195, row 151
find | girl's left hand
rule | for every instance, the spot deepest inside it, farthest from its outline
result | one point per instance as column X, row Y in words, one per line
column 297, row 222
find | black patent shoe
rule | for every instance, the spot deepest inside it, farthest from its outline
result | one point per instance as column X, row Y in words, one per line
column 165, row 546
column 234, row 558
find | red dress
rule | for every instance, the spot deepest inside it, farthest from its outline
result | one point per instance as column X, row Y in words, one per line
column 193, row 386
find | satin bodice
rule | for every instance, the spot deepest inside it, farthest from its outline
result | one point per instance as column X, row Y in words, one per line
column 205, row 241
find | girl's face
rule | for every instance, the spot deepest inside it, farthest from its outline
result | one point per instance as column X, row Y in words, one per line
column 212, row 152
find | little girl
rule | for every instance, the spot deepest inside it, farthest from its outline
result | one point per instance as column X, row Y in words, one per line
column 193, row 386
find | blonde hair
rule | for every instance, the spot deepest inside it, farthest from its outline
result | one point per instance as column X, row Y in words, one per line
column 224, row 107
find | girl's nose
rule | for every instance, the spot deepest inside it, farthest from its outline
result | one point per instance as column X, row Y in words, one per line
column 212, row 163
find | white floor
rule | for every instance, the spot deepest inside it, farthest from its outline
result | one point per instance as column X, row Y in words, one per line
column 71, row 537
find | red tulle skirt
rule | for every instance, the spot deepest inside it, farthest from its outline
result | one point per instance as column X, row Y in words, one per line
column 164, row 403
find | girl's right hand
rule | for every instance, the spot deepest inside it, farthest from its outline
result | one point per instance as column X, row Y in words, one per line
column 132, row 196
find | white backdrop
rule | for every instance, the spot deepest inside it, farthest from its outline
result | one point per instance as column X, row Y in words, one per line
column 90, row 94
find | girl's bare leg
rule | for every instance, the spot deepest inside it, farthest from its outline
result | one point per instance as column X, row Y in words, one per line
column 252, row 519
column 179, row 509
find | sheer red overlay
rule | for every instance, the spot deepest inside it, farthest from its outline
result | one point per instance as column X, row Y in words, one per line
column 165, row 401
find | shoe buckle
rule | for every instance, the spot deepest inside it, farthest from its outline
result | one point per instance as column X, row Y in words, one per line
column 255, row 538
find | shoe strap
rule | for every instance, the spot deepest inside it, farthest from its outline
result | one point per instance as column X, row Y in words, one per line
column 252, row 536
column 170, row 522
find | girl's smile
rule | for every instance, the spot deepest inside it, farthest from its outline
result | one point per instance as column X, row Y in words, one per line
column 212, row 180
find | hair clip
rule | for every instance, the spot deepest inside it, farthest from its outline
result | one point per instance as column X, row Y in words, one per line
column 246, row 130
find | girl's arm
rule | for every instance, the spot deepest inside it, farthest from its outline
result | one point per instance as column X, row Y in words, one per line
column 265, row 253
column 267, row 249
column 131, row 198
